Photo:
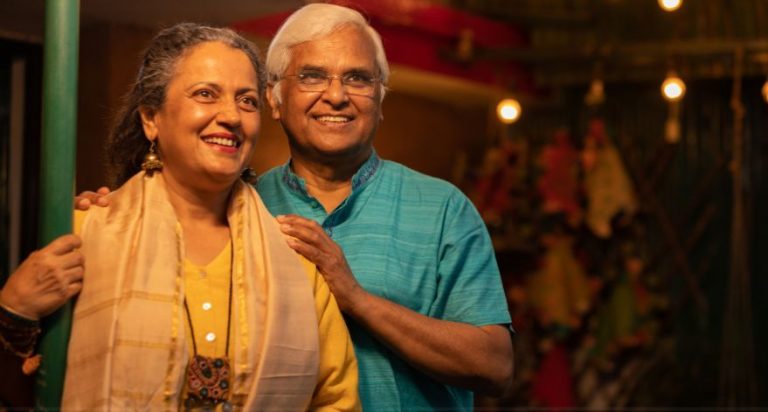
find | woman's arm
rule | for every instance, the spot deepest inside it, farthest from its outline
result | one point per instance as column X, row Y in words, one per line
column 337, row 383
column 41, row 284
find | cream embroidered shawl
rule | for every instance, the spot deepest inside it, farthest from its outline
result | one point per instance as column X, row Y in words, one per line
column 127, row 349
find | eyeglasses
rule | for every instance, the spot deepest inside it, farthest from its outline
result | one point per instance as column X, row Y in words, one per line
column 360, row 84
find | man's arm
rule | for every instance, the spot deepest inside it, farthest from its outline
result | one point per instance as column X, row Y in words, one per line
column 458, row 354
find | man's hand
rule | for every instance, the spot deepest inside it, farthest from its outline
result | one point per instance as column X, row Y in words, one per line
column 308, row 238
column 84, row 200
column 479, row 358
column 46, row 279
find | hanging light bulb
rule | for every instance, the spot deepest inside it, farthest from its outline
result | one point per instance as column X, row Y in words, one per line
column 673, row 89
column 765, row 91
column 670, row 5
column 596, row 93
column 508, row 111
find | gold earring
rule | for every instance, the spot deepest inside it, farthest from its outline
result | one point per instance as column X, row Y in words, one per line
column 249, row 176
column 152, row 162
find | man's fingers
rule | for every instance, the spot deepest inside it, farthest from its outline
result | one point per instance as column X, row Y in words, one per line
column 88, row 195
column 82, row 204
column 84, row 200
column 309, row 252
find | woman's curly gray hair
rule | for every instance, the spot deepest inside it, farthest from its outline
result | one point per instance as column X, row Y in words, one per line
column 127, row 143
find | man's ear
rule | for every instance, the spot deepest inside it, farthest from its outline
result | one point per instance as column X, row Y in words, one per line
column 272, row 99
column 148, row 122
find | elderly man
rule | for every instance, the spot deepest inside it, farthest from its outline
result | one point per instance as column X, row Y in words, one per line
column 407, row 256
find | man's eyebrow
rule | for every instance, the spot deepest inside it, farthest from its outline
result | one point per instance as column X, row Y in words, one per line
column 351, row 70
column 309, row 67
column 360, row 70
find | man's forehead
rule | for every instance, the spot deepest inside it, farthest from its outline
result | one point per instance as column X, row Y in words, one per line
column 348, row 46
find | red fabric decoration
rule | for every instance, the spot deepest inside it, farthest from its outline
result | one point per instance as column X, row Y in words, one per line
column 552, row 385
column 420, row 35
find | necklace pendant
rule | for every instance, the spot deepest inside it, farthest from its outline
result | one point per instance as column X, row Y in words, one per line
column 208, row 381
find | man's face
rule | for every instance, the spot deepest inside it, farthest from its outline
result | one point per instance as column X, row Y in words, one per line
column 330, row 125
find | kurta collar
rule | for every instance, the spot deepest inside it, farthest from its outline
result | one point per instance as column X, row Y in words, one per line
column 363, row 175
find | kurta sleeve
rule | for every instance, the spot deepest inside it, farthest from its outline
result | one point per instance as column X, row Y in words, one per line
column 77, row 221
column 337, row 380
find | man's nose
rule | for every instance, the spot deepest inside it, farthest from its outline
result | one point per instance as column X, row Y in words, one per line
column 336, row 93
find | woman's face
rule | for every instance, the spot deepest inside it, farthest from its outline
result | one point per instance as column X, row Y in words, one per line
column 207, row 126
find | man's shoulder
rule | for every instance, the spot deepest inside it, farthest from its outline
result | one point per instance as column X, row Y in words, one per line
column 414, row 177
column 269, row 177
column 413, row 180
column 271, row 173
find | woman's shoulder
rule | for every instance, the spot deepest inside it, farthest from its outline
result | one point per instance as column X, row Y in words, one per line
column 310, row 270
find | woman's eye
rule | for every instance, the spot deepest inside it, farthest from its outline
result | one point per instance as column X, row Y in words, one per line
column 249, row 103
column 204, row 93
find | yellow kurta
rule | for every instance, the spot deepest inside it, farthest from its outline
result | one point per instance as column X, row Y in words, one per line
column 207, row 291
column 336, row 375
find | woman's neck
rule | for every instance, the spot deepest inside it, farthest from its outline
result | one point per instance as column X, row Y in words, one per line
column 203, row 218
column 200, row 206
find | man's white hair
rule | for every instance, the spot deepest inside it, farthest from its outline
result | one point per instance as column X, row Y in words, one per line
column 312, row 22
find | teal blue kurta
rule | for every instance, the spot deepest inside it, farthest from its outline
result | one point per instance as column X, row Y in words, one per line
column 414, row 240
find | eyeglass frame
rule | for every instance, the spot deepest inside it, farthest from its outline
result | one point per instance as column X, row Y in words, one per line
column 328, row 79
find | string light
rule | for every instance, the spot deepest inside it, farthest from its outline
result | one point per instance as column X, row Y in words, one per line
column 508, row 111
column 673, row 89
column 765, row 91
column 596, row 94
column 670, row 5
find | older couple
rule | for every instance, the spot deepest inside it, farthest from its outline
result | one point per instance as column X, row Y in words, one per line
column 189, row 268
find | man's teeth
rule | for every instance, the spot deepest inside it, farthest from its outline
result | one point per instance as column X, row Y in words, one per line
column 221, row 141
column 333, row 119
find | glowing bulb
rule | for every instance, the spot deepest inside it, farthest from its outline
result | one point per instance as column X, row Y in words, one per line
column 670, row 5
column 508, row 111
column 765, row 91
column 673, row 88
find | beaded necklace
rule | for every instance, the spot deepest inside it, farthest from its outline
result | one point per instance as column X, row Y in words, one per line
column 208, row 378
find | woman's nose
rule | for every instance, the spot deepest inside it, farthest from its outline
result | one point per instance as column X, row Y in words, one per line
column 229, row 114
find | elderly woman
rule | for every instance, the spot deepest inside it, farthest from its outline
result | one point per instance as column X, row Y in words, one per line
column 191, row 296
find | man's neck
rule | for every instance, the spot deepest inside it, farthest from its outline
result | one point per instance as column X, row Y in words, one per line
column 329, row 183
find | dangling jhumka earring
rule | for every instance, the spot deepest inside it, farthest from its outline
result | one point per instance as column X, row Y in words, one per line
column 249, row 176
column 152, row 162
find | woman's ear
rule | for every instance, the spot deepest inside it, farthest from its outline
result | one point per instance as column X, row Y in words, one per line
column 148, row 122
column 273, row 101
